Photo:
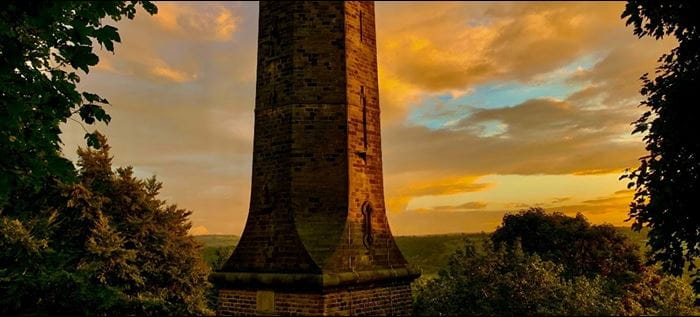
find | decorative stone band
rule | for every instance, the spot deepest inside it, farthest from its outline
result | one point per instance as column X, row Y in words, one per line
column 305, row 281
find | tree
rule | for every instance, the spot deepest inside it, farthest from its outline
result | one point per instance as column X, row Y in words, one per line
column 506, row 278
column 657, row 294
column 583, row 249
column 667, row 180
column 507, row 281
column 42, row 46
column 110, row 247
column 91, row 241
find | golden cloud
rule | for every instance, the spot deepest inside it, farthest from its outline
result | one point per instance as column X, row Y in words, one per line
column 176, row 44
column 212, row 23
column 417, row 222
column 557, row 200
column 399, row 197
column 450, row 48
column 171, row 74
column 598, row 171
column 471, row 205
column 616, row 204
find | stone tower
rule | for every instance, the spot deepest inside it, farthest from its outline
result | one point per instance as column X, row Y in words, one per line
column 317, row 240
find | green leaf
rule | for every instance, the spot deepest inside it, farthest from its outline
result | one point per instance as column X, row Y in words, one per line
column 106, row 35
column 93, row 140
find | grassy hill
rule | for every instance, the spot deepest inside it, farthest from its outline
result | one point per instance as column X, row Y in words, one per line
column 430, row 252
column 215, row 240
column 216, row 245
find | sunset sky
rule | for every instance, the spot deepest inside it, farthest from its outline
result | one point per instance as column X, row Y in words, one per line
column 486, row 108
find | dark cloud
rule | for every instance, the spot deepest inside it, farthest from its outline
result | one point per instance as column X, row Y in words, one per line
column 542, row 136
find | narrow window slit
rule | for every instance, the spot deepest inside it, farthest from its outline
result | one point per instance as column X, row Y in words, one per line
column 363, row 99
column 367, row 238
column 362, row 35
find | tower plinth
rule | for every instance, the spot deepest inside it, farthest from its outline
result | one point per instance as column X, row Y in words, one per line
column 317, row 240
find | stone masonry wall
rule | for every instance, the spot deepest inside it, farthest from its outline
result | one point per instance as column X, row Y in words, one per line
column 317, row 199
column 364, row 247
column 299, row 183
column 387, row 300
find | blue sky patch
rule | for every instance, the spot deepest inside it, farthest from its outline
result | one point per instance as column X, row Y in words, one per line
column 438, row 111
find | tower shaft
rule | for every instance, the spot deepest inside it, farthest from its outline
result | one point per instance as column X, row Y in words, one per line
column 317, row 224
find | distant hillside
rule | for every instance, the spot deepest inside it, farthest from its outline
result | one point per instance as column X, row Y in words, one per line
column 224, row 244
column 430, row 252
column 216, row 240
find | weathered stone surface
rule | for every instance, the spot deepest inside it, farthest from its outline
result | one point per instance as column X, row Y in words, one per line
column 368, row 300
column 317, row 201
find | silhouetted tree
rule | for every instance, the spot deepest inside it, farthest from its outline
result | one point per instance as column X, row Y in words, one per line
column 667, row 181
column 583, row 249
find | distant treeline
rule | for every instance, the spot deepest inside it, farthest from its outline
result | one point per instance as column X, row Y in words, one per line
column 430, row 253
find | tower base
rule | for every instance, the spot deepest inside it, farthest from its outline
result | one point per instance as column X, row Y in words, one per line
column 391, row 299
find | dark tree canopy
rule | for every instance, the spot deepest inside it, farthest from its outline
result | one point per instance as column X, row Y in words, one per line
column 667, row 181
column 583, row 249
column 89, row 241
column 507, row 282
column 42, row 46
column 108, row 246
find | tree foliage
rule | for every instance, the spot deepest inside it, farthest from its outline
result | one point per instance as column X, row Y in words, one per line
column 529, row 268
column 86, row 241
column 667, row 181
column 507, row 281
column 42, row 46
column 658, row 294
column 109, row 247
column 583, row 249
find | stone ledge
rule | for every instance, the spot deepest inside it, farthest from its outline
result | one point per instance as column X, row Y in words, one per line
column 306, row 281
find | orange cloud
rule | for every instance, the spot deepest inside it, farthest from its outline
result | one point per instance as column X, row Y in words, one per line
column 614, row 207
column 454, row 46
column 607, row 209
column 472, row 205
column 398, row 198
column 444, row 48
column 557, row 200
column 598, row 171
column 212, row 23
column 414, row 222
column 171, row 74
column 462, row 207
